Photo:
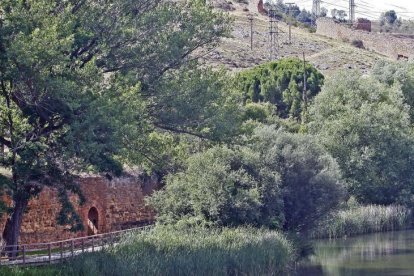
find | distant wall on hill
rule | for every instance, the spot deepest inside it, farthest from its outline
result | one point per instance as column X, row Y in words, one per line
column 257, row 6
column 392, row 46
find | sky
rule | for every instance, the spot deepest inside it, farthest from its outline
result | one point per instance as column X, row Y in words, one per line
column 366, row 8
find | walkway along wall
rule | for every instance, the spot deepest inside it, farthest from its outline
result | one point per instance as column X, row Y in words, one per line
column 110, row 205
column 389, row 45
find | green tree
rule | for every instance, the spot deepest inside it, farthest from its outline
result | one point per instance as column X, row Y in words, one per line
column 311, row 182
column 280, row 83
column 280, row 180
column 366, row 126
column 220, row 186
column 389, row 17
column 397, row 73
column 341, row 15
column 81, row 86
column 324, row 12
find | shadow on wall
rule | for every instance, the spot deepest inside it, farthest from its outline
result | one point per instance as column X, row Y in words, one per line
column 93, row 221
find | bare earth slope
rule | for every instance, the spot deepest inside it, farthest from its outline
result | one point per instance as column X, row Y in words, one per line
column 326, row 54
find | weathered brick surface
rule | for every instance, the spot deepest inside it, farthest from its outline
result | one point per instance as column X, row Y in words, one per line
column 119, row 202
column 387, row 44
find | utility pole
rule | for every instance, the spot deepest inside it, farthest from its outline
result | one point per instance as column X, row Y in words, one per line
column 305, row 93
column 251, row 31
column 273, row 35
column 290, row 23
column 352, row 11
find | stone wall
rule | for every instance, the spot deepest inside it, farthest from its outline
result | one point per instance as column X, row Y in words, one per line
column 119, row 204
column 256, row 6
column 363, row 24
column 385, row 44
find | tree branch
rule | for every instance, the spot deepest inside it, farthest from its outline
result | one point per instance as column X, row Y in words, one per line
column 5, row 142
column 182, row 131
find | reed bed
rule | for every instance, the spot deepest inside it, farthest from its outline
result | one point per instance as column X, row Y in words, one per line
column 364, row 219
column 29, row 271
column 170, row 251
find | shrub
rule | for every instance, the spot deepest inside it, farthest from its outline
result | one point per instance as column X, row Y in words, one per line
column 358, row 43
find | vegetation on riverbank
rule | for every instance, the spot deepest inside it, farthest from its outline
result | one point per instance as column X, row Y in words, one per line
column 189, row 251
column 363, row 220
column 29, row 271
column 248, row 159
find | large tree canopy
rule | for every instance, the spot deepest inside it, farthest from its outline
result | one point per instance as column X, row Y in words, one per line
column 366, row 126
column 280, row 180
column 398, row 73
column 89, row 85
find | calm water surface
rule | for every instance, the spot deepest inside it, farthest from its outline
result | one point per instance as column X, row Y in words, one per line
column 390, row 254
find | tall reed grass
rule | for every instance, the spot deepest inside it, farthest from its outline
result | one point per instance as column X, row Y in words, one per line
column 29, row 271
column 363, row 220
column 168, row 251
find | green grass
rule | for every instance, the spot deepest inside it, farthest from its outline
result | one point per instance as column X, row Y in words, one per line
column 169, row 251
column 364, row 219
column 33, row 271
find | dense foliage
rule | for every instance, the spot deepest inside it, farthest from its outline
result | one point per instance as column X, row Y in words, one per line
column 281, row 180
column 366, row 126
column 97, row 86
column 220, row 186
column 280, row 83
column 311, row 183
column 398, row 74
column 88, row 86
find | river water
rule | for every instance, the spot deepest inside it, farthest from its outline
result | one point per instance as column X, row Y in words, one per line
column 382, row 254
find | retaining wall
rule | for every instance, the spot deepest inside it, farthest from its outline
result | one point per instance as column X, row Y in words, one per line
column 393, row 46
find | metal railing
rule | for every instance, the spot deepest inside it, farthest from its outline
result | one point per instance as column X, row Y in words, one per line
column 55, row 252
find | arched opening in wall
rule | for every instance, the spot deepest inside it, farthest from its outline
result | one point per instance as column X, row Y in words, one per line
column 93, row 219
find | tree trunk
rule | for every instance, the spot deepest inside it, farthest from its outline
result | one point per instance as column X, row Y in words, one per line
column 12, row 229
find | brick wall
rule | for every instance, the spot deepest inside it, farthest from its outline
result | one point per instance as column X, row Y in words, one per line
column 385, row 44
column 119, row 202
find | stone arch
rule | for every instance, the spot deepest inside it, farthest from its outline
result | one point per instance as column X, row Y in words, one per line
column 93, row 221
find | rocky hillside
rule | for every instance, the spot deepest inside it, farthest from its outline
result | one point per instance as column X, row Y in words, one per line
column 326, row 54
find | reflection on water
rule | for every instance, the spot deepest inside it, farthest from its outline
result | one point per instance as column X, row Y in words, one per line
column 381, row 254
